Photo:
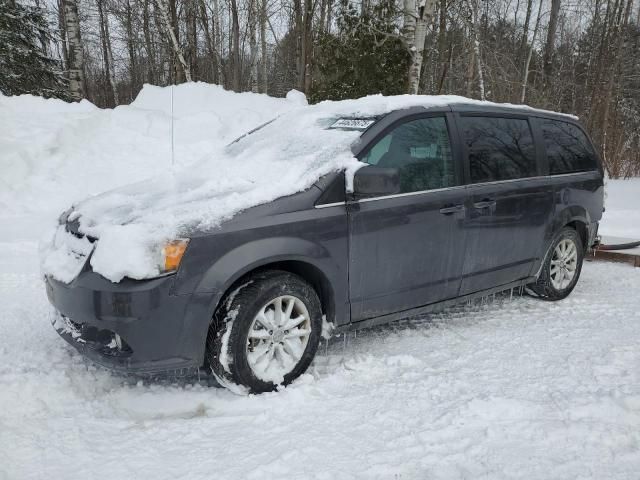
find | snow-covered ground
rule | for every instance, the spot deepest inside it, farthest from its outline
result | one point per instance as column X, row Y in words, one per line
column 510, row 389
column 523, row 389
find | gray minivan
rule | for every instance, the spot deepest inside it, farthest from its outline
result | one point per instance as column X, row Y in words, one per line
column 456, row 201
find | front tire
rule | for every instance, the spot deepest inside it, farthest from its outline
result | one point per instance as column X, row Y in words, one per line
column 265, row 333
column 562, row 266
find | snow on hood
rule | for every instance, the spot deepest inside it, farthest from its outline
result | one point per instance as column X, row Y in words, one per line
column 283, row 157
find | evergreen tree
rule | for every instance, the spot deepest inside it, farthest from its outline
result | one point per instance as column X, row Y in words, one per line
column 24, row 65
column 366, row 56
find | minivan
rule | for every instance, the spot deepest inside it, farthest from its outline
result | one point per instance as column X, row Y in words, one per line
column 453, row 199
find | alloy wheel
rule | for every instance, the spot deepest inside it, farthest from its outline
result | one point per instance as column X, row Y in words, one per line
column 278, row 337
column 563, row 264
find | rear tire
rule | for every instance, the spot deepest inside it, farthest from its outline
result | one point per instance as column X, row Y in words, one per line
column 265, row 332
column 561, row 268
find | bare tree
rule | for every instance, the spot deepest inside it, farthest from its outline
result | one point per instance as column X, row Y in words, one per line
column 253, row 47
column 551, row 38
column 525, row 69
column 235, row 60
column 192, row 36
column 107, row 52
column 475, row 45
column 263, row 44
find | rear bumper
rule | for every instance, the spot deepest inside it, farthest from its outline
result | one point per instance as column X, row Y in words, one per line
column 132, row 326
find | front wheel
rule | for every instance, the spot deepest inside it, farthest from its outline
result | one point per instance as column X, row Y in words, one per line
column 561, row 268
column 265, row 333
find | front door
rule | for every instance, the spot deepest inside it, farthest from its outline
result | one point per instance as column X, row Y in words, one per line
column 509, row 201
column 407, row 250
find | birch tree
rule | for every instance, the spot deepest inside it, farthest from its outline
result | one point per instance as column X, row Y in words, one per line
column 75, row 63
column 177, row 49
column 475, row 44
column 417, row 17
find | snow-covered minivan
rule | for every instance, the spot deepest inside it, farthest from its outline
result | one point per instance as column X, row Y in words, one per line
column 335, row 216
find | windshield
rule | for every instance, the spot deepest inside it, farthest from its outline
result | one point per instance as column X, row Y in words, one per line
column 350, row 124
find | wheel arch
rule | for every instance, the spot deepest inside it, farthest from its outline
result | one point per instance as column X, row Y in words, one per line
column 576, row 217
column 308, row 271
column 302, row 257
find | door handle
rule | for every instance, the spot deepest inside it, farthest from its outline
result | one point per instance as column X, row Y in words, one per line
column 486, row 203
column 451, row 209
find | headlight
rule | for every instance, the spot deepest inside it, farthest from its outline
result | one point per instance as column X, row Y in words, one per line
column 172, row 253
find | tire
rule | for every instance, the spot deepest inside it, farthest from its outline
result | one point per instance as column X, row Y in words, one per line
column 552, row 284
column 239, row 333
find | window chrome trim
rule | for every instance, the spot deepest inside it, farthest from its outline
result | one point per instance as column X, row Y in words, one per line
column 457, row 187
column 409, row 194
column 327, row 205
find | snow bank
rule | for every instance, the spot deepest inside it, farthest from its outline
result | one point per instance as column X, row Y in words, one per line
column 622, row 203
column 53, row 153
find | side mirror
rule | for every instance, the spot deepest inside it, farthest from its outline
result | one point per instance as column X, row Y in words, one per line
column 376, row 181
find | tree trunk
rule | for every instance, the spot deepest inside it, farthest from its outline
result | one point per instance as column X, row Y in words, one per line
column 63, row 34
column 414, row 30
column 263, row 44
column 75, row 64
column 217, row 40
column 298, row 32
column 130, row 47
column 177, row 50
column 148, row 45
column 307, row 44
column 475, row 45
column 551, row 40
column 109, row 70
column 192, row 37
column 235, row 29
column 525, row 28
column 442, row 47
column 209, row 42
column 525, row 75
column 253, row 47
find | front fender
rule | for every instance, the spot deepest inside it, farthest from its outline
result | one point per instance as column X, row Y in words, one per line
column 249, row 256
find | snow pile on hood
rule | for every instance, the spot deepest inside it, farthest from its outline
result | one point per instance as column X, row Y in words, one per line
column 284, row 157
column 54, row 153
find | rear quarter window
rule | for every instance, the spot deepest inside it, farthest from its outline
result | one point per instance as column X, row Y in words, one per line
column 567, row 147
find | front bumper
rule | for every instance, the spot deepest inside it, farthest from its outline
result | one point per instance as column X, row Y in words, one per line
column 132, row 326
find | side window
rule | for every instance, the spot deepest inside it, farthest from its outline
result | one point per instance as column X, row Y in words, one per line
column 421, row 152
column 567, row 147
column 499, row 148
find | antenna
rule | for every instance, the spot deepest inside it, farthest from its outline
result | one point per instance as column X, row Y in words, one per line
column 172, row 148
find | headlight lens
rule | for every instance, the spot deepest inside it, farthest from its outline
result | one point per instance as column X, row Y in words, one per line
column 172, row 254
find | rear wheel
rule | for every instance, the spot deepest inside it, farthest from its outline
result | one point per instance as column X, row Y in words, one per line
column 561, row 268
column 265, row 333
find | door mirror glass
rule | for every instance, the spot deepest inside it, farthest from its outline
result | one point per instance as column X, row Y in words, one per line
column 376, row 181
